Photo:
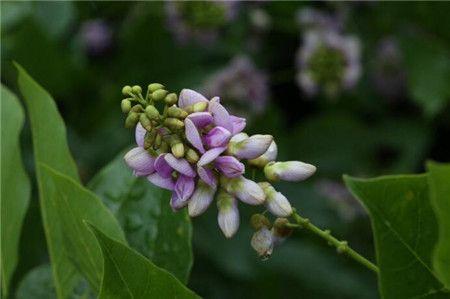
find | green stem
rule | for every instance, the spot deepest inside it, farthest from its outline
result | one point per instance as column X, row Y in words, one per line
column 341, row 246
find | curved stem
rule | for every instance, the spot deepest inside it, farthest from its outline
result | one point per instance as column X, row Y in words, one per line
column 341, row 246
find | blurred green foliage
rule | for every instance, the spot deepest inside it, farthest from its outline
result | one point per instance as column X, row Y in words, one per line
column 361, row 132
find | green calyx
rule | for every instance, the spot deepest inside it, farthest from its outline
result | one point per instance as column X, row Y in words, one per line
column 257, row 221
column 327, row 66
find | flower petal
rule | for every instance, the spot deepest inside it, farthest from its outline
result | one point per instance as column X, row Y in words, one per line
column 180, row 165
column 216, row 137
column 162, row 167
column 201, row 198
column 201, row 119
column 253, row 147
column 207, row 175
column 220, row 114
column 288, row 171
column 229, row 166
column 140, row 134
column 156, row 179
column 193, row 136
column 239, row 124
column 188, row 97
column 184, row 187
column 276, row 202
column 228, row 216
column 140, row 160
column 210, row 155
column 176, row 203
column 246, row 190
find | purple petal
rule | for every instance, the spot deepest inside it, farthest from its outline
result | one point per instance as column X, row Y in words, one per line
column 239, row 124
column 162, row 167
column 184, row 187
column 140, row 160
column 207, row 175
column 228, row 217
column 220, row 114
column 216, row 137
column 201, row 119
column 229, row 166
column 252, row 147
column 180, row 165
column 210, row 155
column 188, row 97
column 176, row 203
column 140, row 134
column 246, row 190
column 201, row 199
column 193, row 136
column 156, row 179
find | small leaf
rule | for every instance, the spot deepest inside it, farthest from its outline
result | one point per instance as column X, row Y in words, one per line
column 50, row 147
column 127, row 274
column 405, row 231
column 439, row 178
column 144, row 211
column 15, row 185
column 75, row 204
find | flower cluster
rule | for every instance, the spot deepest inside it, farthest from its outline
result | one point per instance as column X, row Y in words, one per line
column 327, row 59
column 196, row 149
column 200, row 20
column 241, row 85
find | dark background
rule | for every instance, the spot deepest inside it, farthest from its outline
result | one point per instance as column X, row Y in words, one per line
column 363, row 132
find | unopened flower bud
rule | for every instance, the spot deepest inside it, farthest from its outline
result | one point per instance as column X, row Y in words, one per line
column 125, row 105
column 192, row 156
column 269, row 156
column 126, row 90
column 280, row 230
column 158, row 141
column 155, row 86
column 246, row 190
column 137, row 89
column 197, row 107
column 176, row 146
column 262, row 243
column 149, row 139
column 145, row 122
column 137, row 109
column 174, row 111
column 159, row 94
column 164, row 148
column 171, row 99
column 173, row 123
column 276, row 202
column 228, row 217
column 151, row 112
column 251, row 147
column 288, row 171
column 131, row 120
column 259, row 220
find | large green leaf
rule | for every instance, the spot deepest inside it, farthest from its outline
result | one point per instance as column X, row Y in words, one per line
column 439, row 178
column 50, row 147
column 75, row 204
column 15, row 191
column 128, row 274
column 405, row 230
column 143, row 210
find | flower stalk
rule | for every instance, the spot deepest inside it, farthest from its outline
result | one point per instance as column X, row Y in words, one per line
column 341, row 246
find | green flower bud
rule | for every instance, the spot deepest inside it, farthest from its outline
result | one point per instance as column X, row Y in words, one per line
column 258, row 220
column 132, row 120
column 159, row 95
column 174, row 111
column 158, row 141
column 137, row 89
column 197, row 107
column 192, row 156
column 164, row 148
column 171, row 99
column 280, row 229
column 176, row 146
column 149, row 139
column 137, row 109
column 145, row 122
column 125, row 105
column 155, row 86
column 151, row 112
column 173, row 123
column 126, row 90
